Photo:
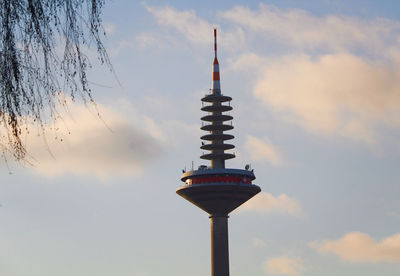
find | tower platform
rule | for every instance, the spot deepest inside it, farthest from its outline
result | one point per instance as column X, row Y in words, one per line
column 218, row 191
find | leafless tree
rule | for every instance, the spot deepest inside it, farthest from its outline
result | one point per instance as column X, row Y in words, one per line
column 42, row 44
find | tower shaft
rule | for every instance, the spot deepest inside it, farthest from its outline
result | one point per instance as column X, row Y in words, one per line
column 219, row 245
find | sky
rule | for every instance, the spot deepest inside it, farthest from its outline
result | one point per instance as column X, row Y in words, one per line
column 316, row 98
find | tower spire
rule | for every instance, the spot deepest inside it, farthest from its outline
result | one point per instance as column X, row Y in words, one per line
column 216, row 86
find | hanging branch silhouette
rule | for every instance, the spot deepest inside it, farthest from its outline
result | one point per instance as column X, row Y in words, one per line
column 42, row 45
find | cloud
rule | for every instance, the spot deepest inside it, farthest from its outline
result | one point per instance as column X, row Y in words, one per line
column 141, row 41
column 395, row 214
column 293, row 28
column 283, row 266
column 260, row 150
column 122, row 143
column 360, row 247
column 267, row 203
column 145, row 40
column 248, row 63
column 299, row 28
column 110, row 28
column 333, row 75
column 338, row 93
column 343, row 79
column 195, row 29
column 258, row 243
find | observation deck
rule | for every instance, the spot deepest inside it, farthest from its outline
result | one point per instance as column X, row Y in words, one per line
column 218, row 191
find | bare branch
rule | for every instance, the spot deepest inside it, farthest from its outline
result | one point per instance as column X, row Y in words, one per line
column 32, row 70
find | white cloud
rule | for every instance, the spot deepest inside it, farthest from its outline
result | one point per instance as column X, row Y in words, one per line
column 145, row 40
column 360, row 247
column 341, row 93
column 267, row 203
column 293, row 28
column 395, row 214
column 248, row 63
column 122, row 143
column 333, row 94
column 260, row 150
column 110, row 28
column 258, row 243
column 299, row 28
column 342, row 80
column 283, row 266
column 141, row 41
column 196, row 29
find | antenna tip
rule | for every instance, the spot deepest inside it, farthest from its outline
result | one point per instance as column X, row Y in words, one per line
column 215, row 42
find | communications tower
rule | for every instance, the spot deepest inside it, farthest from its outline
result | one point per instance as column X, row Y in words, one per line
column 216, row 189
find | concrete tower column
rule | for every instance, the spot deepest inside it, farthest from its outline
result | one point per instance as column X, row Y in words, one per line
column 219, row 245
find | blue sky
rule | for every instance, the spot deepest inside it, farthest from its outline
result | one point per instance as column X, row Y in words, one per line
column 315, row 87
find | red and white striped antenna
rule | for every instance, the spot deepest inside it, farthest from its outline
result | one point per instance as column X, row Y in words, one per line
column 216, row 86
